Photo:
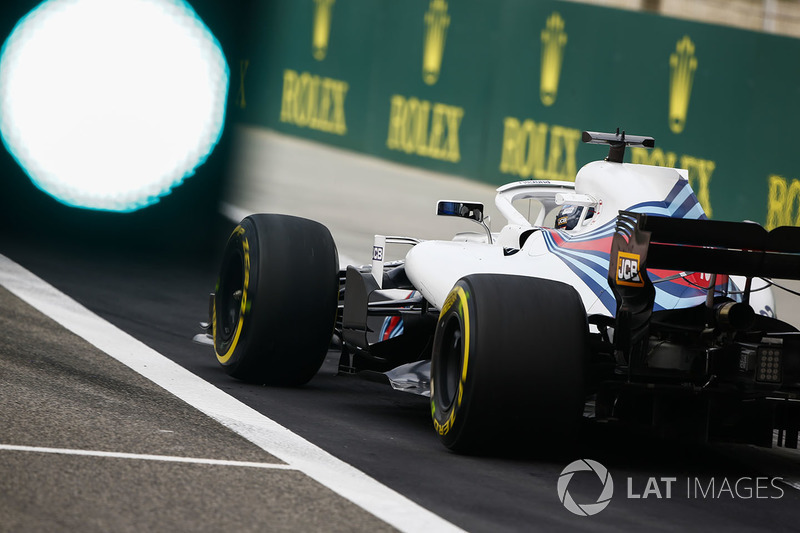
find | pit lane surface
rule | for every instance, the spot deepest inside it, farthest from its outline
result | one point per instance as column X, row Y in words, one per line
column 92, row 444
column 158, row 298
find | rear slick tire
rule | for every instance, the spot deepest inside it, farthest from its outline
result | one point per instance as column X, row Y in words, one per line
column 508, row 364
column 276, row 300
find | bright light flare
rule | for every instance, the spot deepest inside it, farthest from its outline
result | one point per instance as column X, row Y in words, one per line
column 111, row 104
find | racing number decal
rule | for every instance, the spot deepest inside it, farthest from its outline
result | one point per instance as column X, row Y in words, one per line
column 377, row 253
column 628, row 270
column 239, row 231
column 456, row 295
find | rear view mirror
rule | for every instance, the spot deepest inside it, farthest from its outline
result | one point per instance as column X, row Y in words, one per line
column 470, row 210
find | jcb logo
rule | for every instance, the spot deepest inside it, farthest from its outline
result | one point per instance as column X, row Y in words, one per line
column 628, row 270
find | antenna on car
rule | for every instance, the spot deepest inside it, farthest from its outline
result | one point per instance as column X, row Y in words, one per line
column 617, row 141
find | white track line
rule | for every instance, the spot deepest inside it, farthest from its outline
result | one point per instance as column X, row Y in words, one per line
column 144, row 457
column 364, row 491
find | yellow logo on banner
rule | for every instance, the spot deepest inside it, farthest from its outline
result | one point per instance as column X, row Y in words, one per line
column 682, row 65
column 553, row 41
column 538, row 150
column 428, row 129
column 783, row 202
column 322, row 28
column 436, row 22
column 311, row 101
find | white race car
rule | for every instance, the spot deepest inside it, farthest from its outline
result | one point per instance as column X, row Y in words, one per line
column 617, row 301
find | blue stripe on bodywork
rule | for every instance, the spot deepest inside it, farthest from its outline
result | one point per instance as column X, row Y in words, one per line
column 591, row 266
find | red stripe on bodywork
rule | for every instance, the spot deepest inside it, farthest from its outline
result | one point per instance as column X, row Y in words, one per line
column 393, row 322
column 602, row 244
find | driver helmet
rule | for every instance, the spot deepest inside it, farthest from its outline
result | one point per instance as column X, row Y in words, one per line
column 569, row 215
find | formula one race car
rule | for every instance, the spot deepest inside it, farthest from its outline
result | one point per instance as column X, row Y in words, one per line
column 627, row 306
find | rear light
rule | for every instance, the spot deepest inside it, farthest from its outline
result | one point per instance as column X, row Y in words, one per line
column 769, row 364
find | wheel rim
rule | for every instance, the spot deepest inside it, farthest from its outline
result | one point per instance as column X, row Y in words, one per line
column 230, row 297
column 452, row 359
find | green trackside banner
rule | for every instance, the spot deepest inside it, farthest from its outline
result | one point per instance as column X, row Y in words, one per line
column 500, row 91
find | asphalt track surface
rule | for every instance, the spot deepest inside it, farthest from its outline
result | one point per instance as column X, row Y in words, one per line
column 57, row 391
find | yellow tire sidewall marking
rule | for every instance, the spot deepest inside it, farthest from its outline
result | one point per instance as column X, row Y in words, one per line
column 458, row 294
column 224, row 358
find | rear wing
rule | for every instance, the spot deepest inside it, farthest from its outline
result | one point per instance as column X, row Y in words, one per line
column 738, row 248
column 644, row 241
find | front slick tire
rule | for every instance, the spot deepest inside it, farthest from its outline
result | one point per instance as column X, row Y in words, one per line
column 276, row 300
column 509, row 356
